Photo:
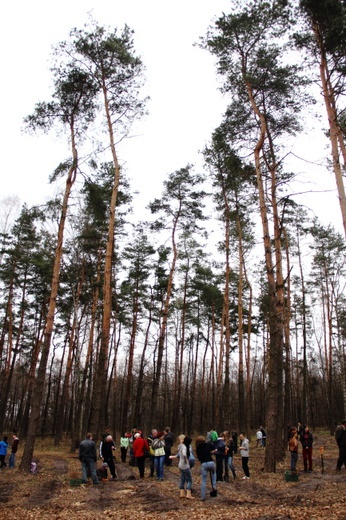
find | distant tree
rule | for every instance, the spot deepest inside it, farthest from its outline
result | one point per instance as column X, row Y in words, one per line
column 328, row 278
column 234, row 195
column 22, row 274
column 134, row 295
column 180, row 210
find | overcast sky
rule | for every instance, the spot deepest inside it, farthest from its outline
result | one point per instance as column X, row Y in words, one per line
column 185, row 103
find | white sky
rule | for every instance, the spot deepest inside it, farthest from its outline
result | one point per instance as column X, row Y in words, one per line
column 185, row 104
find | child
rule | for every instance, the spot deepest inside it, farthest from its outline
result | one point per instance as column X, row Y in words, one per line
column 102, row 472
column 184, row 467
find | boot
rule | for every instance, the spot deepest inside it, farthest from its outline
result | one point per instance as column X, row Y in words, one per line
column 188, row 494
column 182, row 493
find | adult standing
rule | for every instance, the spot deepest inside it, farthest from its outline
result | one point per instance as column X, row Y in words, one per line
column 340, row 436
column 3, row 452
column 264, row 436
column 107, row 448
column 14, row 449
column 259, row 437
column 189, row 450
column 204, row 451
column 139, row 447
column 307, row 440
column 151, row 437
column 158, row 445
column 87, row 456
column 230, row 451
column 106, row 433
column 293, row 448
column 184, row 467
column 168, row 437
column 244, row 449
column 220, row 447
column 124, row 445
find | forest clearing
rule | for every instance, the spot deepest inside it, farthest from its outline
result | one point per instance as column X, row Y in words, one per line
column 49, row 493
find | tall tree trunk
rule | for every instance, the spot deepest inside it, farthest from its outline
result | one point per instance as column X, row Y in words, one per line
column 41, row 374
column 335, row 132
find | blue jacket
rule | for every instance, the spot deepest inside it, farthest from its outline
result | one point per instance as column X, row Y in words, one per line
column 3, row 447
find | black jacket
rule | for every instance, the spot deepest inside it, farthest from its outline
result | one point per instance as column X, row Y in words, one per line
column 203, row 452
column 306, row 439
column 106, row 449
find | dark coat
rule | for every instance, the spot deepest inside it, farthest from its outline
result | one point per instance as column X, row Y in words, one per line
column 87, row 450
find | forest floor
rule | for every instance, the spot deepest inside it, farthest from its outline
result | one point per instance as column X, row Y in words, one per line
column 49, row 494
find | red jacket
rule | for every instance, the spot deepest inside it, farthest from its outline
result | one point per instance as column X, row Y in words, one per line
column 138, row 447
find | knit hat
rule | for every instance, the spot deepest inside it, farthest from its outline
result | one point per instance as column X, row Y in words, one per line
column 137, row 435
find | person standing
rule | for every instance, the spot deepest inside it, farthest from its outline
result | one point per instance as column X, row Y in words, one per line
column 189, row 450
column 151, row 437
column 307, row 440
column 244, row 449
column 107, row 447
column 204, row 451
column 158, row 445
column 3, row 452
column 293, row 448
column 230, row 447
column 87, row 456
column 106, row 433
column 139, row 447
column 264, row 436
column 340, row 436
column 168, row 446
column 124, row 445
column 14, row 449
column 220, row 447
column 259, row 437
column 184, row 468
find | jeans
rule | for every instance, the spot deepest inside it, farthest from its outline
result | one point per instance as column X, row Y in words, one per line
column 159, row 463
column 294, row 458
column 185, row 476
column 11, row 460
column 206, row 468
column 231, row 466
column 89, row 465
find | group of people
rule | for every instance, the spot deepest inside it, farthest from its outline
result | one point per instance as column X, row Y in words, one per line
column 4, row 445
column 88, row 457
column 214, row 451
